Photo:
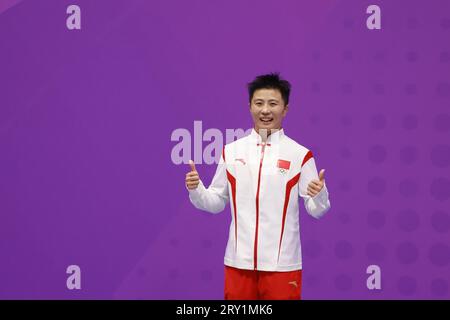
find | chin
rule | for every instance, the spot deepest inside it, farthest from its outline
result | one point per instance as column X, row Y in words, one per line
column 269, row 130
column 270, row 126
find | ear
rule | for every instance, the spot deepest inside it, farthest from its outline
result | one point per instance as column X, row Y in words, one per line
column 286, row 109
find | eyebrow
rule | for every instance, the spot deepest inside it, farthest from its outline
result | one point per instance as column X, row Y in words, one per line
column 270, row 100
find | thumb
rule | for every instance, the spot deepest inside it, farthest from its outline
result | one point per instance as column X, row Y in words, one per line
column 192, row 164
column 322, row 175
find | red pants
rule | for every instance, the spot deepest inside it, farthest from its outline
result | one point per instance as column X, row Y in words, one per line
column 254, row 285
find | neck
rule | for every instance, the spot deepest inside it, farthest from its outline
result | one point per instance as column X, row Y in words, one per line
column 265, row 133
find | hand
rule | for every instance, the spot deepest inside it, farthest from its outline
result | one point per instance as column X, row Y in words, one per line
column 315, row 186
column 192, row 178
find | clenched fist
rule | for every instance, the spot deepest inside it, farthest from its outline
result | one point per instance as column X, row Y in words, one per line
column 315, row 186
column 192, row 178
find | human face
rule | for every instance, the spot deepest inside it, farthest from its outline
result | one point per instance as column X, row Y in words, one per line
column 268, row 110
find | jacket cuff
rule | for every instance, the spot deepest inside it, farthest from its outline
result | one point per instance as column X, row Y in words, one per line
column 322, row 197
column 195, row 193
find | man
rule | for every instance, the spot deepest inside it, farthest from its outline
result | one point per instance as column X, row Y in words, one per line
column 262, row 175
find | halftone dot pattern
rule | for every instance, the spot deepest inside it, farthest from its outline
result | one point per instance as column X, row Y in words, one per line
column 408, row 220
column 376, row 186
column 439, row 287
column 347, row 88
column 445, row 23
column 376, row 219
column 345, row 152
column 407, row 253
column 412, row 23
column 316, row 56
column 206, row 243
column 440, row 189
column 315, row 87
column 441, row 123
column 408, row 155
column 312, row 248
column 439, row 254
column 378, row 88
column 440, row 156
column 407, row 285
column 347, row 55
column 408, row 188
column 174, row 242
column 444, row 57
column 343, row 282
column 443, row 89
column 378, row 122
column 411, row 56
column 349, row 23
column 314, row 119
column 346, row 120
column 344, row 217
column 410, row 122
column 173, row 274
column 343, row 250
column 345, row 185
column 375, row 251
column 141, row 272
column 377, row 154
column 440, row 221
column 411, row 89
column 379, row 57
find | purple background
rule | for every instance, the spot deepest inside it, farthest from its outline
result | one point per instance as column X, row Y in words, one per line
column 86, row 117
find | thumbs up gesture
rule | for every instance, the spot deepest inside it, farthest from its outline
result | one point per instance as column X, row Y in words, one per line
column 315, row 186
column 192, row 178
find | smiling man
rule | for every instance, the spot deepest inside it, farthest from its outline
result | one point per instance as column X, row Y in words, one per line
column 263, row 175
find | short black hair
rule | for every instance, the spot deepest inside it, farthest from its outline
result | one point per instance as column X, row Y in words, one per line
column 270, row 81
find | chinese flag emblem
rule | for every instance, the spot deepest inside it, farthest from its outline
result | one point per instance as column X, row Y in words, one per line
column 283, row 164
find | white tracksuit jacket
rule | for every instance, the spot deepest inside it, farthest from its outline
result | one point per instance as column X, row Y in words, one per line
column 262, row 181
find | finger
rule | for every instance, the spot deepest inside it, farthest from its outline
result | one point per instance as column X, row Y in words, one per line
column 322, row 175
column 312, row 191
column 192, row 164
column 191, row 174
column 311, row 194
column 192, row 179
column 191, row 185
column 314, row 187
column 316, row 182
column 317, row 187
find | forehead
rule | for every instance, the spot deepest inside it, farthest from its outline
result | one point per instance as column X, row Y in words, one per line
column 267, row 94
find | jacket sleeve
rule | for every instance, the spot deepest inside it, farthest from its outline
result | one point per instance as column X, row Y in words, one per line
column 214, row 198
column 318, row 205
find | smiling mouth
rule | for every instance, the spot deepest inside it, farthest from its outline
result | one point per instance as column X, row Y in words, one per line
column 266, row 120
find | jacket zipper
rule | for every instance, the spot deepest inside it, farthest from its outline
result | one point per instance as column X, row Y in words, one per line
column 255, row 257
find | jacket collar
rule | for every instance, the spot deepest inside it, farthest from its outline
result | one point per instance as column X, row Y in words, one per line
column 274, row 137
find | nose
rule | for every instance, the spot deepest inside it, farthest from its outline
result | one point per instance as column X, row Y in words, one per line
column 265, row 109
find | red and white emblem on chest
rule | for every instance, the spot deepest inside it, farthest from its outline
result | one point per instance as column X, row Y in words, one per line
column 283, row 165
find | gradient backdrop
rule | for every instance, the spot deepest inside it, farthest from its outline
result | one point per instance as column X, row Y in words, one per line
column 86, row 117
